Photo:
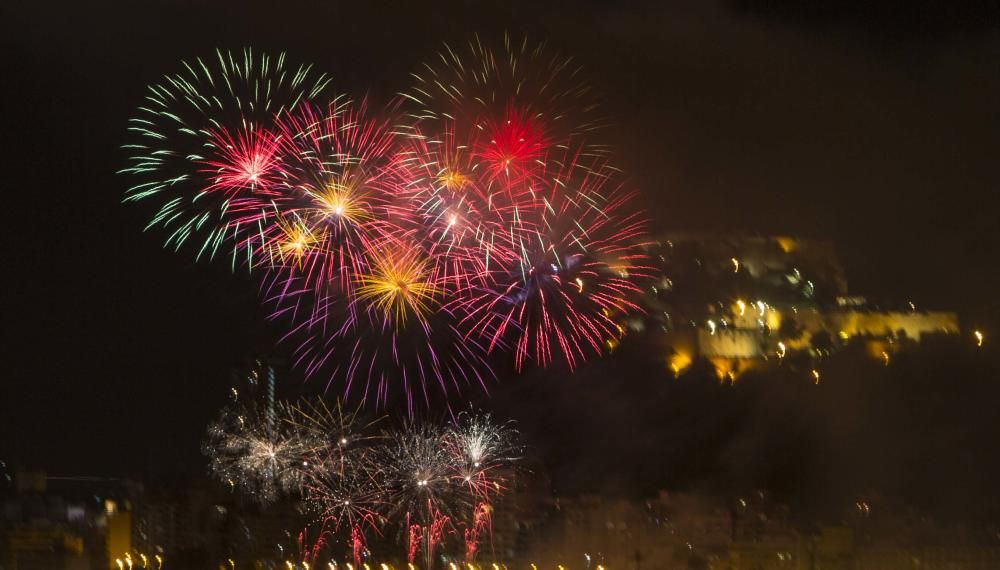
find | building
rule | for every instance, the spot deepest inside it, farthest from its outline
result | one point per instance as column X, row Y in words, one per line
column 745, row 302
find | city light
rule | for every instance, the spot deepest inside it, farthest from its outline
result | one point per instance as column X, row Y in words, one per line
column 979, row 337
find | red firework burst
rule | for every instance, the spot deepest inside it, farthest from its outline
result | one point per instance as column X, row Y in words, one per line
column 511, row 147
column 248, row 160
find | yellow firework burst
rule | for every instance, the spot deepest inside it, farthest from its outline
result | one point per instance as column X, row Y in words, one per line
column 399, row 284
column 341, row 200
column 452, row 179
column 296, row 241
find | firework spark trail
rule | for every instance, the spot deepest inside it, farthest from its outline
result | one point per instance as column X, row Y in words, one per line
column 435, row 533
column 311, row 549
column 357, row 545
column 481, row 522
column 414, row 535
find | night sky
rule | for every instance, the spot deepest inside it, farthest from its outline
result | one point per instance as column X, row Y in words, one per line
column 877, row 127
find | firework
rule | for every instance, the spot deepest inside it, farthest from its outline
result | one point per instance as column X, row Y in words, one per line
column 434, row 533
column 338, row 204
column 481, row 451
column 419, row 473
column 464, row 216
column 341, row 479
column 203, row 147
column 342, row 179
column 429, row 481
column 382, row 366
column 315, row 420
column 575, row 274
column 393, row 338
column 515, row 98
column 357, row 544
column 400, row 246
column 482, row 521
column 400, row 284
column 255, row 455
column 359, row 286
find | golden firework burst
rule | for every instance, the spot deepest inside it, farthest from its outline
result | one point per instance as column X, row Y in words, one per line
column 341, row 200
column 452, row 179
column 399, row 284
column 296, row 241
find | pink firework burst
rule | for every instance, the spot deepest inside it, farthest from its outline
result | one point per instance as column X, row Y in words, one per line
column 248, row 160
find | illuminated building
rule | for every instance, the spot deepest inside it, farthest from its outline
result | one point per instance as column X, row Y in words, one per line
column 738, row 301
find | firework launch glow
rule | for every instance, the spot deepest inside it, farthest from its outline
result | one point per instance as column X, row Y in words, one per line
column 404, row 247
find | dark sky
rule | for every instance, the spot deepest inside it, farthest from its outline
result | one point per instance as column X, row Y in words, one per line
column 876, row 125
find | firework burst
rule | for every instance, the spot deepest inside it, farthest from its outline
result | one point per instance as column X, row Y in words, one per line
column 341, row 479
column 519, row 94
column 399, row 285
column 203, row 150
column 256, row 455
column 575, row 273
column 393, row 338
column 428, row 481
column 420, row 474
column 402, row 245
column 481, row 450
